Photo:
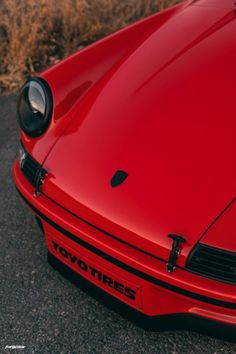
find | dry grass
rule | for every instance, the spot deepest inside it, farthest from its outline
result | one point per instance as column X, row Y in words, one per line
column 37, row 33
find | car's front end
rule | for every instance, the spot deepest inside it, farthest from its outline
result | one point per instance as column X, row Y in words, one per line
column 133, row 194
column 134, row 277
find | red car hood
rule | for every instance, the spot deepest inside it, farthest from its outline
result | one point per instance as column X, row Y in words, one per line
column 166, row 116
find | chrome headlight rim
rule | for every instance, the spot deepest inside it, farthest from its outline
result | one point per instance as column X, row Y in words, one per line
column 33, row 122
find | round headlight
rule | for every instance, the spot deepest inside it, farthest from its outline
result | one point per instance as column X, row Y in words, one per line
column 35, row 107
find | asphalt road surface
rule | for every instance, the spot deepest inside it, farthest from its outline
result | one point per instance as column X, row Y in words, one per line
column 44, row 312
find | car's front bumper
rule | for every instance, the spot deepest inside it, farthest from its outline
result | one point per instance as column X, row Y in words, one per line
column 178, row 321
column 141, row 283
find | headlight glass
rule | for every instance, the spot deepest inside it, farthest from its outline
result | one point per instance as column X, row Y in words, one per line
column 35, row 107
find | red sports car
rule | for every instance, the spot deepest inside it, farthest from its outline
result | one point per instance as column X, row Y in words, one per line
column 127, row 160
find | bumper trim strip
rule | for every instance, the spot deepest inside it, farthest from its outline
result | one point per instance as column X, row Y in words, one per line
column 128, row 268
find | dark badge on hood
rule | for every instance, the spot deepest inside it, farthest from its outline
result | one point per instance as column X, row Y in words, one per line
column 118, row 178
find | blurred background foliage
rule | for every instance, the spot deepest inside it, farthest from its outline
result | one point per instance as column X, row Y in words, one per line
column 35, row 34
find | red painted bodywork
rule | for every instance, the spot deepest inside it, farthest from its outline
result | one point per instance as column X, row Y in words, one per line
column 156, row 100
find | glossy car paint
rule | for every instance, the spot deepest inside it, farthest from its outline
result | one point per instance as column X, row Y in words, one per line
column 219, row 299
column 156, row 100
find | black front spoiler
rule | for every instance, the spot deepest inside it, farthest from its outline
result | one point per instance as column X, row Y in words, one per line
column 160, row 323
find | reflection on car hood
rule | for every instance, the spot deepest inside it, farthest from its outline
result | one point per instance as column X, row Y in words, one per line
column 166, row 116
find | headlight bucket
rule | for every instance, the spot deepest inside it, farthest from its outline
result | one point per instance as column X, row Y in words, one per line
column 35, row 107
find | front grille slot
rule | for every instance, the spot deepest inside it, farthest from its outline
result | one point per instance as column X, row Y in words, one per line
column 30, row 168
column 213, row 263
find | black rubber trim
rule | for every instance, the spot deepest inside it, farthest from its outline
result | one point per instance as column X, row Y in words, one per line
column 130, row 269
column 180, row 321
